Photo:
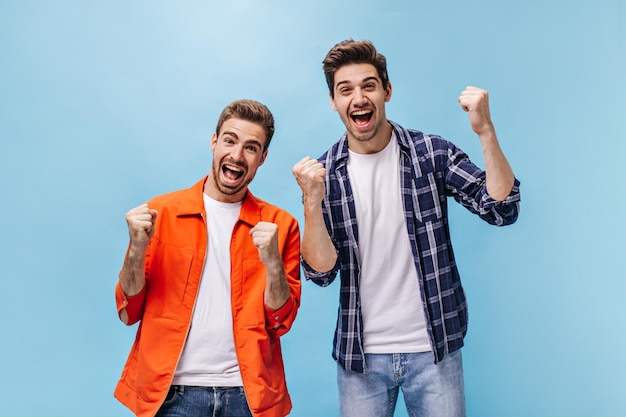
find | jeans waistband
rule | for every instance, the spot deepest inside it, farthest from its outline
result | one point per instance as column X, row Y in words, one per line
column 182, row 388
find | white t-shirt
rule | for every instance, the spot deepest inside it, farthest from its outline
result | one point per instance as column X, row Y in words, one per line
column 391, row 301
column 209, row 357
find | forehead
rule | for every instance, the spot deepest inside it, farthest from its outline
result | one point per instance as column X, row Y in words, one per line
column 355, row 73
column 243, row 130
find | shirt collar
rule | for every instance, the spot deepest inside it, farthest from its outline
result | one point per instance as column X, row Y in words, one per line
column 191, row 203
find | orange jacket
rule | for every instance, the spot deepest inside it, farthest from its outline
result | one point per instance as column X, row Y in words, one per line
column 174, row 264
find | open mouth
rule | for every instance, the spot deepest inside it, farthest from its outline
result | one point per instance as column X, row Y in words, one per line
column 232, row 172
column 361, row 117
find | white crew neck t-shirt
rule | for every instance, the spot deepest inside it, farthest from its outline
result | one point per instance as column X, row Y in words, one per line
column 209, row 357
column 391, row 301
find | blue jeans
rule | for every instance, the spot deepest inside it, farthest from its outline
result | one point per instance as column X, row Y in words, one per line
column 429, row 389
column 185, row 401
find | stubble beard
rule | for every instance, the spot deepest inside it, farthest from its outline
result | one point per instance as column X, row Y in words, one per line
column 223, row 188
column 365, row 136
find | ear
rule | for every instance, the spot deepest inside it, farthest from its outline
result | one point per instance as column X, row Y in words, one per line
column 332, row 101
column 388, row 92
column 213, row 141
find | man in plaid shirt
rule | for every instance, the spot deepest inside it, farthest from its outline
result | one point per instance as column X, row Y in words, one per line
column 375, row 209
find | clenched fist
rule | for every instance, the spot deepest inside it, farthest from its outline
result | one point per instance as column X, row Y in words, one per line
column 140, row 222
column 475, row 101
column 310, row 175
column 265, row 238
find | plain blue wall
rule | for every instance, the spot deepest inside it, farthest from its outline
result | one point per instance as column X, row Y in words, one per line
column 106, row 104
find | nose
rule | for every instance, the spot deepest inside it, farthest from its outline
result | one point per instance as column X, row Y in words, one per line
column 237, row 153
column 359, row 97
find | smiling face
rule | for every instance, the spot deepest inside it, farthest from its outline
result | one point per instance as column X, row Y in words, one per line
column 238, row 151
column 359, row 98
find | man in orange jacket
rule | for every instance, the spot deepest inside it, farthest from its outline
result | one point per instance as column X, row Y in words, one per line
column 212, row 275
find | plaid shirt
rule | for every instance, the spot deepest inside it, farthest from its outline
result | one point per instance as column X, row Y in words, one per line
column 432, row 169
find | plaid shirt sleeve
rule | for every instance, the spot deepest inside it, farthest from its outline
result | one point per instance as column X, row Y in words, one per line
column 323, row 279
column 432, row 169
column 466, row 183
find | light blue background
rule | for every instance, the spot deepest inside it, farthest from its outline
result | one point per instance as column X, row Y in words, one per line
column 106, row 104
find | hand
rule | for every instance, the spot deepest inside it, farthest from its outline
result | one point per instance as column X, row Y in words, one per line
column 476, row 102
column 310, row 175
column 140, row 222
column 265, row 238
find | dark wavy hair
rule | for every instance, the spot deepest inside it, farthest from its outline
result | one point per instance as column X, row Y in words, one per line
column 252, row 111
column 353, row 52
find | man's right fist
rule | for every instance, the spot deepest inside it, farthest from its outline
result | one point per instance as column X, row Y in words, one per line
column 141, row 224
column 310, row 175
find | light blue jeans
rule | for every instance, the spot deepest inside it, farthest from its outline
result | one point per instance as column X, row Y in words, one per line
column 429, row 389
column 185, row 401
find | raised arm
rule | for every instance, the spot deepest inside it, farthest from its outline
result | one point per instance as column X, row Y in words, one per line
column 317, row 247
column 499, row 175
column 132, row 280
column 265, row 238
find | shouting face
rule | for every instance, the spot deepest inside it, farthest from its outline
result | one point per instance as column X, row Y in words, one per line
column 359, row 98
column 238, row 150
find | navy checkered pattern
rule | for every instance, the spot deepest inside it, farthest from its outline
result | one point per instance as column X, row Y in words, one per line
column 432, row 169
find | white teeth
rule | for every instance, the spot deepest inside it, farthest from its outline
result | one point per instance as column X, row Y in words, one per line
column 232, row 168
column 360, row 112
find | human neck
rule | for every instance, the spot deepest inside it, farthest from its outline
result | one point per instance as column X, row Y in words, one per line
column 373, row 145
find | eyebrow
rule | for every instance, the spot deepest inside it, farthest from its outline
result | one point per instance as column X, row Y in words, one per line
column 364, row 80
column 256, row 142
column 233, row 134
column 230, row 133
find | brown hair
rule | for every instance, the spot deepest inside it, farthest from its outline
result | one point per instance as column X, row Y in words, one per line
column 252, row 111
column 353, row 52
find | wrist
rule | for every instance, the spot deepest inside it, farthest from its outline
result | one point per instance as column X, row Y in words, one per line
column 487, row 132
column 136, row 253
column 273, row 265
column 312, row 208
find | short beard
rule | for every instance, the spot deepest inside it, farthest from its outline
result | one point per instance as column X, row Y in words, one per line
column 361, row 136
column 223, row 188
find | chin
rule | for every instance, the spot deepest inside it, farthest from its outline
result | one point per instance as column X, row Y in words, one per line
column 363, row 136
